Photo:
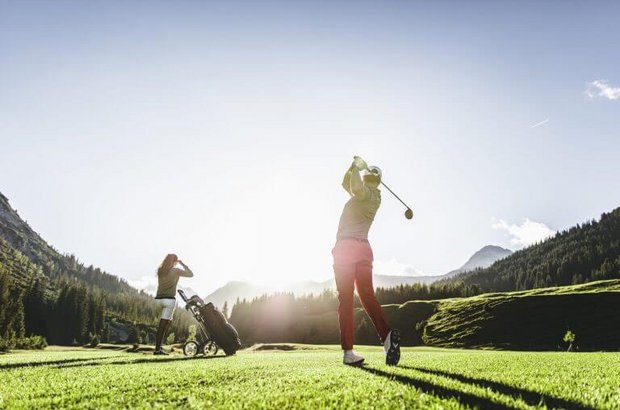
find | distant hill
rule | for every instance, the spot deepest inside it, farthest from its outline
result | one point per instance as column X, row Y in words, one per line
column 483, row 258
column 583, row 253
column 530, row 320
column 234, row 290
column 246, row 290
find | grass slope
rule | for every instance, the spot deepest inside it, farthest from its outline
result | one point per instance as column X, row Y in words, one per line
column 527, row 320
column 310, row 379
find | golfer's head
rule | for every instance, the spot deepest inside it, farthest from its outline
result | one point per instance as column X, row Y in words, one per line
column 372, row 177
column 167, row 264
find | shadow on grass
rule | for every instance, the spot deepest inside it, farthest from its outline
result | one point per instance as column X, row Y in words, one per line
column 98, row 361
column 439, row 391
column 137, row 361
column 530, row 397
column 46, row 363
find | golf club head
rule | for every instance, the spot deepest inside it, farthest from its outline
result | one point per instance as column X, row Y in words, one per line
column 408, row 213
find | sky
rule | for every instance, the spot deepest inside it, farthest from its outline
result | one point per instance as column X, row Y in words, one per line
column 220, row 131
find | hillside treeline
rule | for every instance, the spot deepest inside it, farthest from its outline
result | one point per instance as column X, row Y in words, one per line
column 28, row 318
column 419, row 291
column 64, row 310
column 583, row 253
column 313, row 318
column 121, row 299
column 13, row 318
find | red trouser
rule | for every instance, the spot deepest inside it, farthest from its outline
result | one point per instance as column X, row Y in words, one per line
column 353, row 266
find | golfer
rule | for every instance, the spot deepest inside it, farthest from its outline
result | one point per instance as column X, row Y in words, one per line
column 353, row 262
column 167, row 279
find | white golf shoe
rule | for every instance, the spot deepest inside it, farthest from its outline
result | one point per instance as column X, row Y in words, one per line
column 351, row 358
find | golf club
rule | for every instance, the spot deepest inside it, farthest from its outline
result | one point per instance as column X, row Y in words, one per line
column 408, row 212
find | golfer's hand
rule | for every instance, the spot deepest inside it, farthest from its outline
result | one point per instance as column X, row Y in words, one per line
column 359, row 163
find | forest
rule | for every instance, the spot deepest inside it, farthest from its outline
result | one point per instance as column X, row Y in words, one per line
column 67, row 309
column 583, row 253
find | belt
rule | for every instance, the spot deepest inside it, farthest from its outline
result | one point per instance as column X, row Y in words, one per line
column 348, row 238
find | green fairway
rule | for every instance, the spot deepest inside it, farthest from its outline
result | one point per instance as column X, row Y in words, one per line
column 311, row 377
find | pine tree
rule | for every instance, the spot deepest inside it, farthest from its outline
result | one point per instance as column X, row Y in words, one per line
column 35, row 309
column 92, row 328
column 5, row 284
column 18, row 319
column 82, row 314
column 100, row 314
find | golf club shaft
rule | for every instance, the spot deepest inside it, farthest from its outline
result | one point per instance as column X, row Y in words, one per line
column 401, row 201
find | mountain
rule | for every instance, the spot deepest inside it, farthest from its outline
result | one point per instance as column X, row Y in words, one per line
column 22, row 238
column 246, row 290
column 586, row 252
column 234, row 290
column 483, row 258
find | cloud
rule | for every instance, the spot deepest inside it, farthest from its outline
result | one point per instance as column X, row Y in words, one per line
column 538, row 124
column 395, row 268
column 528, row 233
column 145, row 283
column 600, row 88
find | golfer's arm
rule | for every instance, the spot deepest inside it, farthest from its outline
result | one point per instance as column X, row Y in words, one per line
column 357, row 186
column 187, row 272
column 346, row 181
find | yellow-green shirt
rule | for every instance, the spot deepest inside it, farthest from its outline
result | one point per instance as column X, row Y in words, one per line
column 358, row 214
column 167, row 282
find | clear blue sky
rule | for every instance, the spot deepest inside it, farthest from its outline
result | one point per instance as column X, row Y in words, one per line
column 220, row 131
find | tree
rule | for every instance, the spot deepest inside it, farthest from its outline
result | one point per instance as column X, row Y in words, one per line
column 18, row 319
column 134, row 334
column 5, row 285
column 569, row 337
column 36, row 309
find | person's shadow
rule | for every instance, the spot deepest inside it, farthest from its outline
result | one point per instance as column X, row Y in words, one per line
column 531, row 398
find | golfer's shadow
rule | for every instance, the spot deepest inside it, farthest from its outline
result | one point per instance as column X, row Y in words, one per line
column 141, row 360
column 528, row 396
column 44, row 363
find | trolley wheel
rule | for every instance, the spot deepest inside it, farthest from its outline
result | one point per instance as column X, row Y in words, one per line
column 190, row 348
column 210, row 349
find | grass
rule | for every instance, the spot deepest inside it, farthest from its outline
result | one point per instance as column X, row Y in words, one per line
column 309, row 377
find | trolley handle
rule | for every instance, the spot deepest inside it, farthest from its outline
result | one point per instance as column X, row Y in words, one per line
column 185, row 299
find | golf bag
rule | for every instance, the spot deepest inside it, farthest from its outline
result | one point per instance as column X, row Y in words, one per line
column 214, row 331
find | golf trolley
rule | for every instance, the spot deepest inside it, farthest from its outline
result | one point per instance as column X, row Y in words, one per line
column 213, row 331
